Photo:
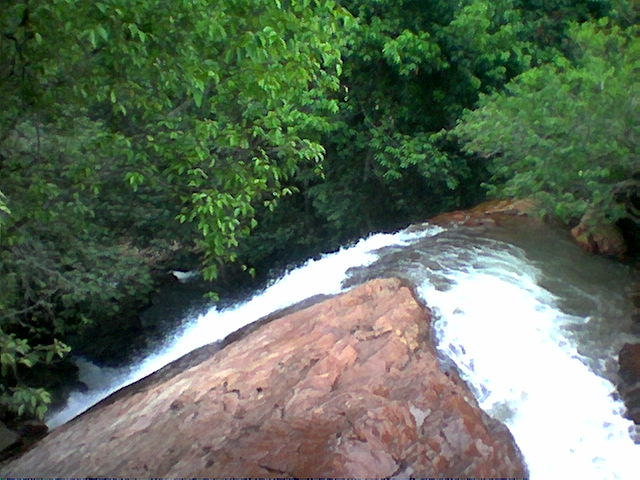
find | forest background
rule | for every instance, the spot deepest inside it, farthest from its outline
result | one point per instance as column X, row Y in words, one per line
column 242, row 136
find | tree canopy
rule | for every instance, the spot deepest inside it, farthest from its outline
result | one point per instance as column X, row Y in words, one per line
column 410, row 70
column 202, row 108
column 567, row 132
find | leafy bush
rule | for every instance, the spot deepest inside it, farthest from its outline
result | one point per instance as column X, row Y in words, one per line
column 567, row 132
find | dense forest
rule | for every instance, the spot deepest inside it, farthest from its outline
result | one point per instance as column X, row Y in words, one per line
column 139, row 136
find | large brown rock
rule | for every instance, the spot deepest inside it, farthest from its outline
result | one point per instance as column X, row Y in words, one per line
column 349, row 387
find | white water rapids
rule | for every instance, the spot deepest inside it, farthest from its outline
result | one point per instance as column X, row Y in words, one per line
column 520, row 336
column 323, row 276
column 505, row 334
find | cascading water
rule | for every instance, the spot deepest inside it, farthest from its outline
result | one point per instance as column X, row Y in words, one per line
column 323, row 276
column 532, row 323
column 534, row 331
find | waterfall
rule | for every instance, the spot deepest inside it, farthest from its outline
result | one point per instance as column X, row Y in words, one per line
column 532, row 323
column 315, row 277
column 511, row 342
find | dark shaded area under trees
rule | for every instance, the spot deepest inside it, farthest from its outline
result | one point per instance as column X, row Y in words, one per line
column 246, row 136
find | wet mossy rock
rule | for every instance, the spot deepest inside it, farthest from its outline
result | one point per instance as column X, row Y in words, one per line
column 599, row 236
column 348, row 387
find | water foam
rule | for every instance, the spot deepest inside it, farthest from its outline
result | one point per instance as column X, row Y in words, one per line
column 505, row 334
column 322, row 276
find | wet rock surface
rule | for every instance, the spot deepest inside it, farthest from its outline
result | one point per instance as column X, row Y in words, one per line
column 486, row 214
column 629, row 365
column 599, row 237
column 629, row 361
column 593, row 236
column 348, row 387
column 18, row 439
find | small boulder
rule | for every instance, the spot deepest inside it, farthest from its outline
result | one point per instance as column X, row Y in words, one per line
column 599, row 236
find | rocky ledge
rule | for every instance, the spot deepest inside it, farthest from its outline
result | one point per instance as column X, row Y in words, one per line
column 593, row 235
column 349, row 387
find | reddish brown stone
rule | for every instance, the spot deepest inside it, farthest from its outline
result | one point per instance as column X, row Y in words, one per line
column 486, row 214
column 350, row 387
column 513, row 206
column 599, row 237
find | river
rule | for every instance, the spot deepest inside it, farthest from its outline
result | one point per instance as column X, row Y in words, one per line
column 532, row 323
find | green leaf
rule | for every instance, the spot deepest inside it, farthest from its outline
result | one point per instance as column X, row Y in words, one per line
column 197, row 98
column 102, row 32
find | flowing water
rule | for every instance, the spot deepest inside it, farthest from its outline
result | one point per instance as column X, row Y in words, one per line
column 323, row 276
column 532, row 323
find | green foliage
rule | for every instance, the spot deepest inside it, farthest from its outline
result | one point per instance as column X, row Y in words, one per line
column 410, row 70
column 16, row 353
column 626, row 12
column 131, row 125
column 566, row 132
column 25, row 401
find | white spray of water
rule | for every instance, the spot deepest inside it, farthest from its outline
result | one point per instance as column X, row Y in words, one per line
column 506, row 336
column 502, row 329
column 323, row 276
